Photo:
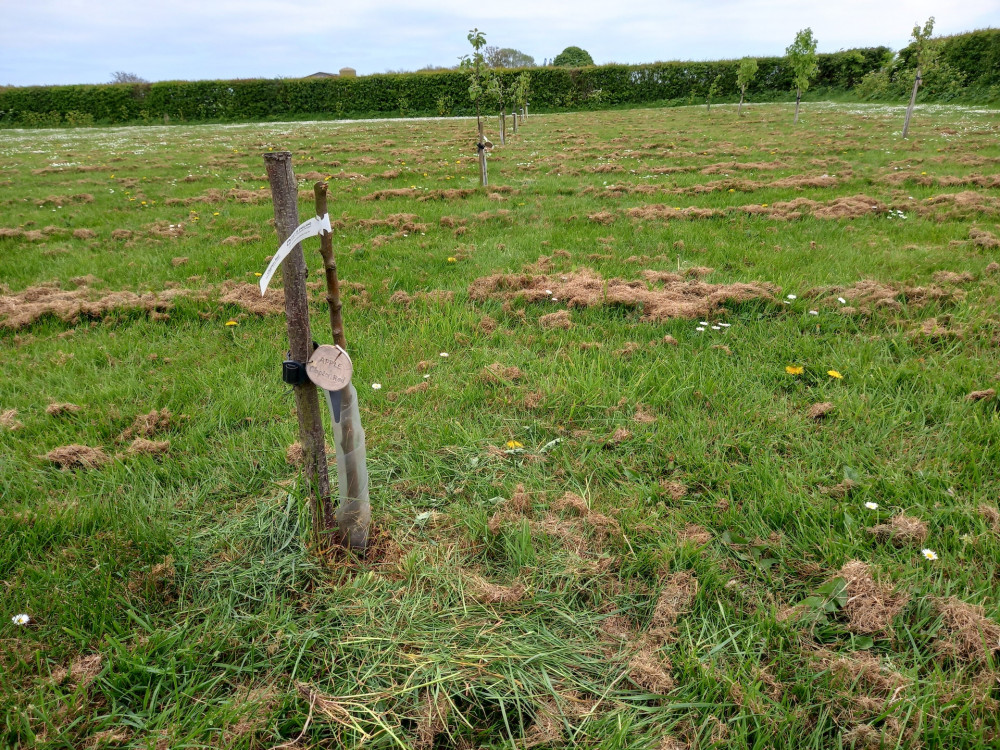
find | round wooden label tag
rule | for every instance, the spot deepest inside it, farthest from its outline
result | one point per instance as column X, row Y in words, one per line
column 330, row 368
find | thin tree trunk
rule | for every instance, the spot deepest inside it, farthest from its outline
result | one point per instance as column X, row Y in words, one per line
column 483, row 178
column 503, row 128
column 798, row 98
column 284, row 194
column 913, row 101
column 351, row 535
column 739, row 111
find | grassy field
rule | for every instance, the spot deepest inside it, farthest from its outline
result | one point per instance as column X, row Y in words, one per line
column 715, row 391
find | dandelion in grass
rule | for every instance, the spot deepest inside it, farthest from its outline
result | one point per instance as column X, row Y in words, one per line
column 258, row 275
column 215, row 213
column 871, row 506
column 834, row 374
column 452, row 259
column 794, row 369
column 376, row 386
column 929, row 554
column 231, row 323
column 512, row 444
column 21, row 619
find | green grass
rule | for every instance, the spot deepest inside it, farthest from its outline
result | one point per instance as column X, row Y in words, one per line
column 189, row 574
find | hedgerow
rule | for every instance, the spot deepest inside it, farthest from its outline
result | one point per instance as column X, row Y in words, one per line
column 426, row 93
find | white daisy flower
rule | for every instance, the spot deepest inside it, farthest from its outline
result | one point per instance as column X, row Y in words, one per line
column 841, row 300
column 871, row 506
column 443, row 354
column 699, row 328
column 376, row 386
column 929, row 554
column 716, row 328
column 21, row 619
column 814, row 312
column 725, row 325
column 792, row 296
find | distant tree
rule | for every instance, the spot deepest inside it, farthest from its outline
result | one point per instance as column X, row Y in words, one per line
column 744, row 77
column 573, row 57
column 926, row 54
column 479, row 76
column 505, row 57
column 802, row 57
column 121, row 76
column 712, row 91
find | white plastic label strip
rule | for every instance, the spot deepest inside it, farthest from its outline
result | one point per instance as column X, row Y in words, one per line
column 309, row 228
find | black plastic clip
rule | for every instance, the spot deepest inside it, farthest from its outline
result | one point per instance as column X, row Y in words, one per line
column 293, row 372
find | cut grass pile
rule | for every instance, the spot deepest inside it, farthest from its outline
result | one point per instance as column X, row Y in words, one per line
column 686, row 436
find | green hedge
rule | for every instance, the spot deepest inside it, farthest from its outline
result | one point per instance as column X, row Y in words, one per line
column 430, row 93
column 975, row 55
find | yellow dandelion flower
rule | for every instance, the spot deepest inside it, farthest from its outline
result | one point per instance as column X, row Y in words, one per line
column 258, row 275
column 834, row 374
column 514, row 444
column 452, row 260
column 215, row 213
column 231, row 323
column 794, row 369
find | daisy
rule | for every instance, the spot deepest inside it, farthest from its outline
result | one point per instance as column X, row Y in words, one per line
column 929, row 554
column 376, row 386
column 21, row 619
column 443, row 354
column 871, row 506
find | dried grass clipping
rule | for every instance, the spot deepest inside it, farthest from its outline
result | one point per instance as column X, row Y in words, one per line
column 902, row 530
column 77, row 457
column 144, row 447
column 585, row 288
column 871, row 606
column 967, row 633
column 147, row 425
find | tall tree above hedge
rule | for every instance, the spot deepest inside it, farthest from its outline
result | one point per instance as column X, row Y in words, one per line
column 926, row 53
column 802, row 58
column 573, row 57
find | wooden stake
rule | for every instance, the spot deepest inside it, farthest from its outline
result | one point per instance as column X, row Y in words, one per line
column 798, row 98
column 503, row 129
column 913, row 101
column 284, row 194
column 514, row 115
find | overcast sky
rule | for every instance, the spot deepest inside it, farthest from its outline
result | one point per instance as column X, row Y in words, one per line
column 86, row 41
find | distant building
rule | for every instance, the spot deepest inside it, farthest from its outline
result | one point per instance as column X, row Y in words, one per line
column 348, row 73
column 321, row 74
